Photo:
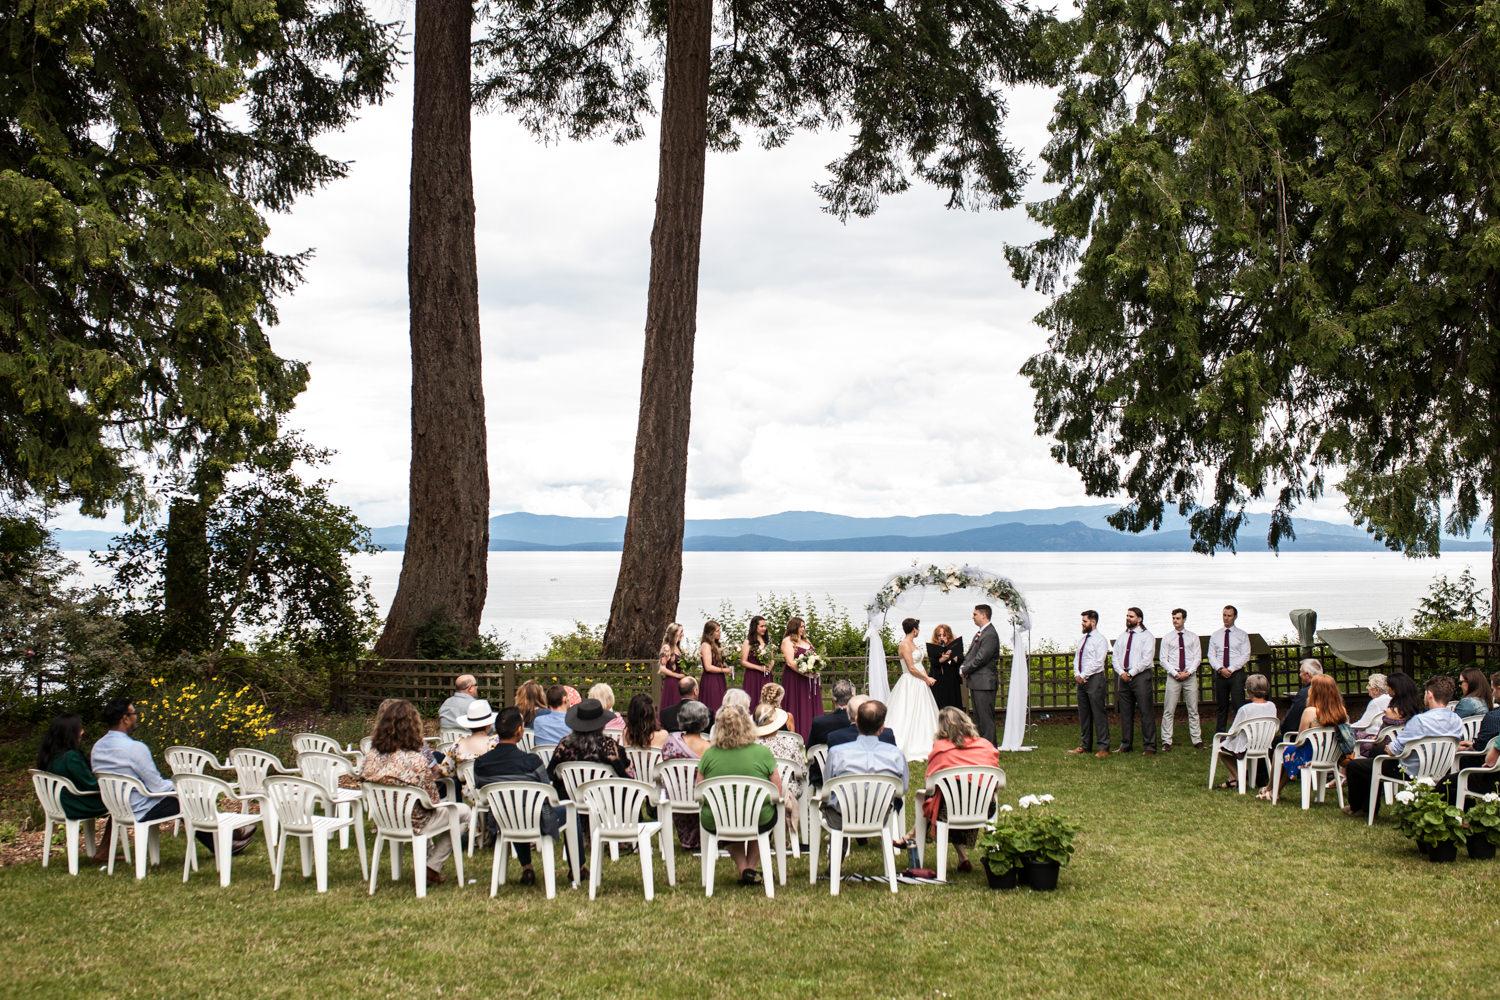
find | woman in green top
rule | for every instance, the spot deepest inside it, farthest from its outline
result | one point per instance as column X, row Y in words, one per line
column 736, row 753
column 60, row 755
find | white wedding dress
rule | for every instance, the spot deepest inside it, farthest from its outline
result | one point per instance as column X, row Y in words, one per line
column 913, row 713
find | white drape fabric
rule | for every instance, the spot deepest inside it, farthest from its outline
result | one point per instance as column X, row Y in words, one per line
column 1017, row 701
column 878, row 681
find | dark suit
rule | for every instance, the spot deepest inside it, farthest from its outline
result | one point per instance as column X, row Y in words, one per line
column 1291, row 722
column 837, row 738
column 669, row 717
column 981, row 675
column 825, row 724
column 508, row 762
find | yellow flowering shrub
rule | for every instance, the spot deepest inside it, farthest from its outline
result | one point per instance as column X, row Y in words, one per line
column 209, row 717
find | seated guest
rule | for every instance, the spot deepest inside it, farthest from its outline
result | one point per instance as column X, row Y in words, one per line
column 867, row 754
column 1490, row 727
column 1476, row 693
column 1257, row 688
column 735, row 753
column 60, row 755
column 531, row 698
column 1437, row 720
column 1380, row 696
column 847, row 734
column 398, row 756
column 587, row 741
column 571, row 696
column 550, row 724
column 687, row 690
column 774, row 694
column 478, row 720
column 116, row 752
column 957, row 744
column 605, row 695
column 839, row 718
column 465, row 690
column 688, row 744
column 773, row 730
column 1325, row 707
column 1405, row 701
column 735, row 698
column 1306, row 671
column 508, row 762
column 641, row 728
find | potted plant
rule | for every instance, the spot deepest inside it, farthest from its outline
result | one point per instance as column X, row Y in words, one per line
column 999, row 850
column 1046, row 843
column 1482, row 825
column 1424, row 814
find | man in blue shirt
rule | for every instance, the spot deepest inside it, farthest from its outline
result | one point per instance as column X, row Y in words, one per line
column 117, row 752
column 551, row 723
column 1437, row 720
column 867, row 754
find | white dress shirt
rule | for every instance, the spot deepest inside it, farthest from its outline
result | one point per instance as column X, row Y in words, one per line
column 1088, row 659
column 1174, row 644
column 1142, row 651
column 116, row 753
column 1239, row 649
column 1374, row 716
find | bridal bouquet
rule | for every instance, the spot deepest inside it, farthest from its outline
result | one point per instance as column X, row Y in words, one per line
column 765, row 655
column 811, row 664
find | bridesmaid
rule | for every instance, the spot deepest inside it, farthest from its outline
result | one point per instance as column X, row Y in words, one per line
column 716, row 670
column 804, row 693
column 667, row 660
column 756, row 657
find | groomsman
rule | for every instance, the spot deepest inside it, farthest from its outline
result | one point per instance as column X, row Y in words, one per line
column 1134, row 653
column 1180, row 655
column 1089, row 675
column 1228, row 653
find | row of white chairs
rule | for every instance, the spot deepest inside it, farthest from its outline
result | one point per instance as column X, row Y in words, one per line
column 1431, row 757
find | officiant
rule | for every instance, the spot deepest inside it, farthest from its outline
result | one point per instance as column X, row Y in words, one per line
column 945, row 655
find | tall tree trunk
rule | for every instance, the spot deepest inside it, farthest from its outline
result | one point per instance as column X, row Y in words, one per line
column 187, row 626
column 1495, row 555
column 443, row 571
column 651, row 564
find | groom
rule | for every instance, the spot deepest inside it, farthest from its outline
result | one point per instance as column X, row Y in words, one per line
column 980, row 674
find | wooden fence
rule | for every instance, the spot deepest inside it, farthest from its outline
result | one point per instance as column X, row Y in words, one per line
column 428, row 682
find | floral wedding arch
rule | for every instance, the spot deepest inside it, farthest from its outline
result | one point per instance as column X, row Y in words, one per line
column 904, row 591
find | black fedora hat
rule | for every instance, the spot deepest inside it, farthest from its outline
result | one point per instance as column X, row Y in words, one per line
column 588, row 716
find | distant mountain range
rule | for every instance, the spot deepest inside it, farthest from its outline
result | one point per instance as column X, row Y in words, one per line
column 1055, row 529
column 1059, row 529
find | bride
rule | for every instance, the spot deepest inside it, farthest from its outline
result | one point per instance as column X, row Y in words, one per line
column 913, row 714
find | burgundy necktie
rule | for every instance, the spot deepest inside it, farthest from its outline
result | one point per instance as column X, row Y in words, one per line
column 1226, row 649
column 1129, row 641
column 1082, row 646
column 1181, row 653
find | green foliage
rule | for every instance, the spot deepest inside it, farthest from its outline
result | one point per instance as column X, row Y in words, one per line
column 139, row 145
column 1453, row 609
column 1483, row 818
column 1033, row 832
column 585, row 642
column 832, row 631
column 1424, row 814
column 999, row 845
column 276, row 564
column 212, row 717
column 8, row 833
column 442, row 638
column 62, row 647
column 1272, row 253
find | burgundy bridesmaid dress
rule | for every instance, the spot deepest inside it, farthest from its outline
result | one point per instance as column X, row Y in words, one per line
column 804, row 697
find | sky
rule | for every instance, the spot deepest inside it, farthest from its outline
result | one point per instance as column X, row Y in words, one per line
column 867, row 368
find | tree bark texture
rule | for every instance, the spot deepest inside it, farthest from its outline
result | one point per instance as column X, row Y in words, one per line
column 646, row 593
column 443, row 570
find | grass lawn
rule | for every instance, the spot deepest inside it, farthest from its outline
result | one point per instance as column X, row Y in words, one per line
column 1174, row 891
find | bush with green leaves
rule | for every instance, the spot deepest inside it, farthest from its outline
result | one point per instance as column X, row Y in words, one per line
column 212, row 717
column 1046, row 834
column 1424, row 814
column 832, row 631
column 1483, row 818
column 1453, row 609
column 585, row 642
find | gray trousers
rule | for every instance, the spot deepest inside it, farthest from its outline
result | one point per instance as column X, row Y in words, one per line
column 1187, row 692
column 984, row 712
column 1138, row 697
column 1093, row 722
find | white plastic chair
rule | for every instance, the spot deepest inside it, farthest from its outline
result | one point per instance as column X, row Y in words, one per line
column 572, row 774
column 969, row 797
column 1431, row 756
column 818, row 754
column 296, row 802
column 1463, row 781
column 199, row 796
column 392, row 808
column 115, row 791
column 191, row 760
column 527, row 743
column 517, row 807
column 252, row 767
column 314, row 743
column 792, row 773
column 1471, row 724
column 864, row 802
column 735, row 803
column 326, row 769
column 614, row 809
column 450, row 736
column 1260, row 735
column 544, row 751
column 643, row 761
column 477, row 805
column 1322, row 768
column 49, row 788
column 675, row 781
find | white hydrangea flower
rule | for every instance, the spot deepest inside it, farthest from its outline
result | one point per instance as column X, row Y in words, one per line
column 1027, row 801
column 1490, row 797
column 1406, row 796
column 1424, row 780
column 1046, row 798
column 1006, row 809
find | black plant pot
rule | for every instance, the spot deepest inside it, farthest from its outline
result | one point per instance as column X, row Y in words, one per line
column 1042, row 875
column 1444, row 852
column 1480, row 847
column 1005, row 880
